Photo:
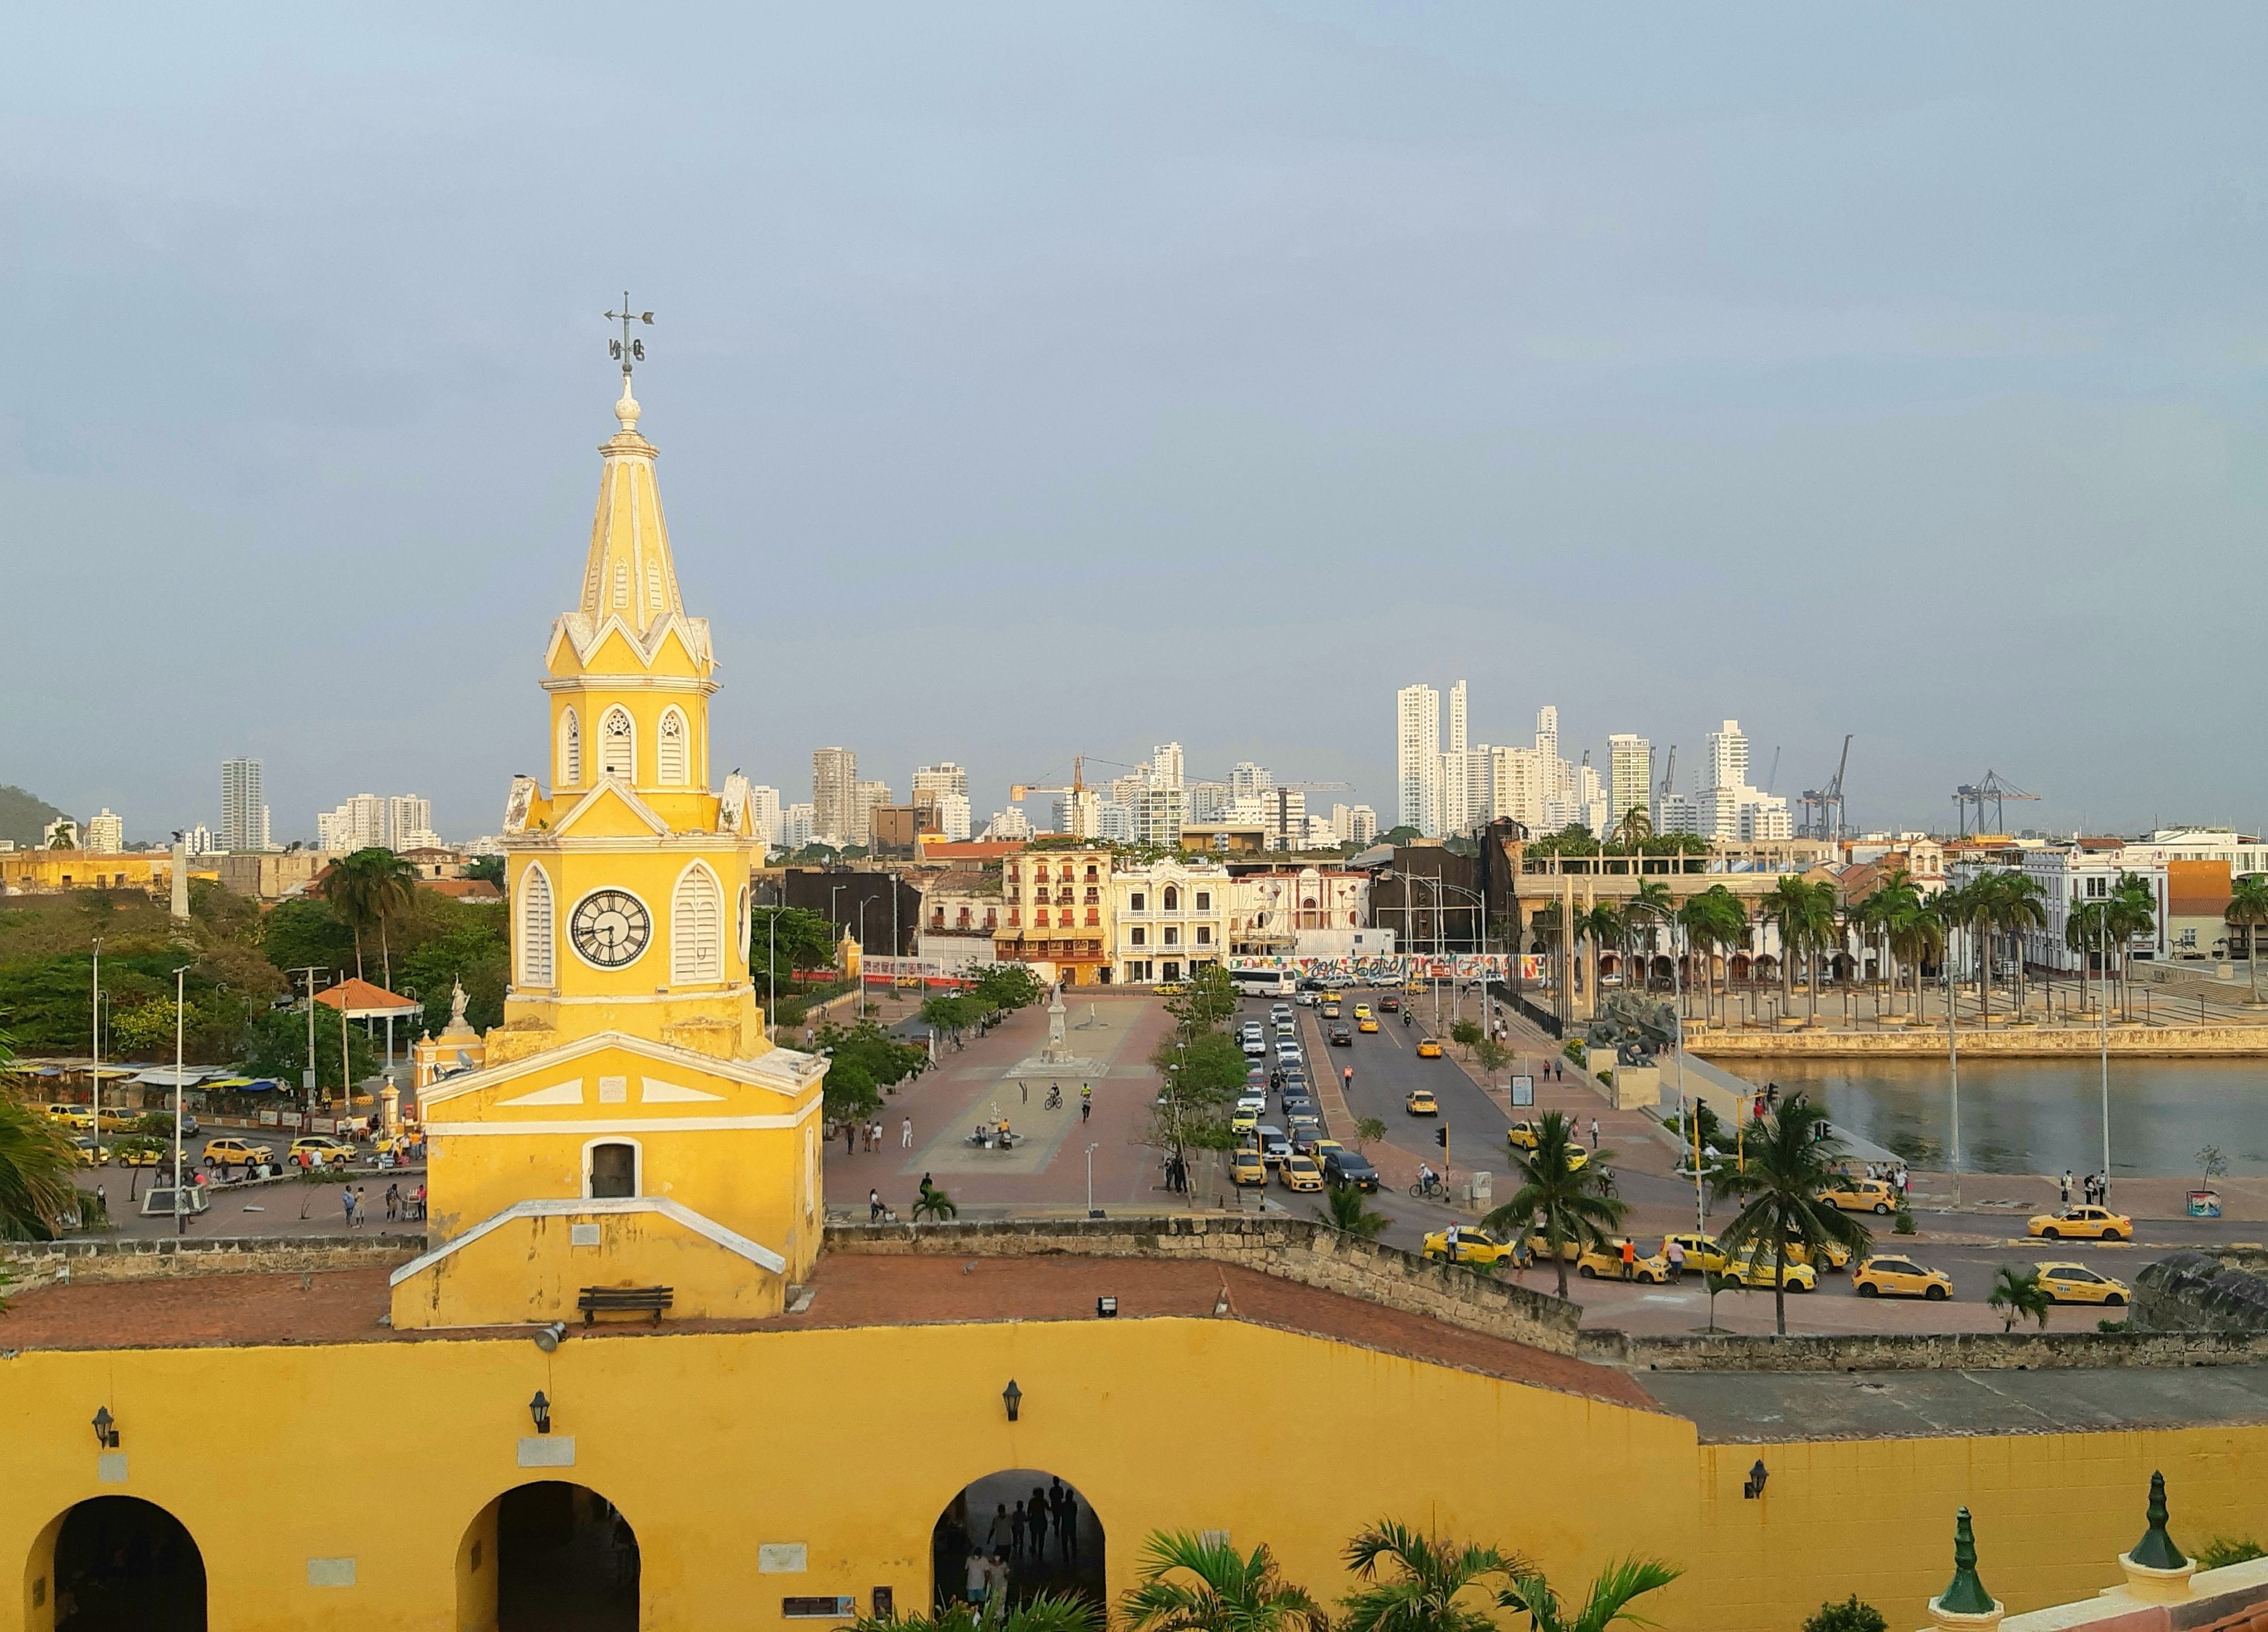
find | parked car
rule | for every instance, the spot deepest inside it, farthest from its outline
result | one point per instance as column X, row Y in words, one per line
column 1473, row 1247
column 1863, row 1195
column 1901, row 1277
column 2096, row 1222
column 1605, row 1263
column 321, row 1149
column 2076, row 1284
column 232, row 1152
column 1349, row 1167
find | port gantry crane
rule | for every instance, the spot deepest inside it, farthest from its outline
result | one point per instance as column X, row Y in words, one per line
column 1992, row 789
column 1822, row 807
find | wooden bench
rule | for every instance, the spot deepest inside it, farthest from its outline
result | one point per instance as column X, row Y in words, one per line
column 598, row 1300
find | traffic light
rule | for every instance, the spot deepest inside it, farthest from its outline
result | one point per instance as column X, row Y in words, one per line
column 1441, row 1137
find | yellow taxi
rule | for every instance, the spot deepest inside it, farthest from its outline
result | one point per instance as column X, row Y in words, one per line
column 1323, row 1148
column 1413, row 986
column 72, row 1116
column 1244, row 1121
column 1428, row 1049
column 1521, row 1137
column 2076, row 1284
column 1330, row 1011
column 1701, row 1252
column 90, row 1153
column 317, row 1149
column 1542, row 1249
column 236, row 1152
column 1420, row 1102
column 2093, row 1223
column 1362, row 1011
column 1169, row 989
column 1245, row 1167
column 1862, row 1196
column 1333, row 997
column 1300, row 1173
column 1749, row 1270
column 1473, row 1247
column 141, row 1153
column 1835, row 1254
column 1605, row 1263
column 1884, row 1276
column 1365, row 1024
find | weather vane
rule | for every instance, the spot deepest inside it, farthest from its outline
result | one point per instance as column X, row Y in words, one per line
column 626, row 350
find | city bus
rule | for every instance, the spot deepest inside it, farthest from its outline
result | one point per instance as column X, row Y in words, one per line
column 1264, row 982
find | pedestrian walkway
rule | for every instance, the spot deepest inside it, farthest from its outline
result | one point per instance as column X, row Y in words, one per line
column 1734, row 1099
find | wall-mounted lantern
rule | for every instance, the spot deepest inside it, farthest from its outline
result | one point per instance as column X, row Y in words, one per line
column 1012, row 1397
column 106, row 1429
column 539, row 1408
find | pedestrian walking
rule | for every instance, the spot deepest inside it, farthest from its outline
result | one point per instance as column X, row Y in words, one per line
column 906, row 1135
column 1675, row 1253
column 975, row 1580
column 1025, row 1089
column 346, row 1201
column 1594, row 1133
column 873, row 1207
column 1035, row 1515
column 1066, row 1519
column 361, row 1209
column 392, row 1202
column 850, row 1138
column 2066, row 1187
column 1017, row 1523
column 1630, row 1259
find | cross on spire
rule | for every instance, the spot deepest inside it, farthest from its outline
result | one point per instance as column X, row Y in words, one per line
column 627, row 350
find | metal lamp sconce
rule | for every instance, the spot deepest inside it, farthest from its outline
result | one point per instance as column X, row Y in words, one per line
column 1012, row 1397
column 1755, row 1487
column 539, row 1408
column 106, row 1429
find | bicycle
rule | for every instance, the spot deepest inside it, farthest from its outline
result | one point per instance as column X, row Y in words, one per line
column 1429, row 1188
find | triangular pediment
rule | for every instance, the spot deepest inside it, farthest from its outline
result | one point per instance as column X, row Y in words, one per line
column 587, row 637
column 612, row 1077
column 610, row 811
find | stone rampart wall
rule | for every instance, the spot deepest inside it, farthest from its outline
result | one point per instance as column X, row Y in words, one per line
column 1941, row 1351
column 1291, row 1249
column 28, row 1264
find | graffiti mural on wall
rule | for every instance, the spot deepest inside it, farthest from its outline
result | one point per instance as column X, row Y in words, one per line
column 1402, row 966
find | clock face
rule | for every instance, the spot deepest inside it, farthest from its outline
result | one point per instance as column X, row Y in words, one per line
column 611, row 928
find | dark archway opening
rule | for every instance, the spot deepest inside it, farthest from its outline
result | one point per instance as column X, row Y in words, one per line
column 126, row 1565
column 1059, row 1552
column 566, row 1561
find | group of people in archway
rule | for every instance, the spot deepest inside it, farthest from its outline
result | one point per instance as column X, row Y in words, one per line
column 1005, row 1555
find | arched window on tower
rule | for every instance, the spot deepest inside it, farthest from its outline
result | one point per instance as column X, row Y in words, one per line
column 569, row 774
column 671, row 756
column 536, row 928
column 618, row 746
column 695, row 927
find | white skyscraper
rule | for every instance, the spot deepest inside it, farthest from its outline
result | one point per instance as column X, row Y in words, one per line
column 1728, row 807
column 106, row 834
column 1518, row 786
column 1547, row 731
column 1728, row 756
column 200, row 840
column 1009, row 824
column 1209, row 801
column 945, row 777
column 1165, row 766
column 1249, row 781
column 1417, row 759
column 410, row 822
column 764, row 812
column 1457, row 718
column 1630, row 777
column 1362, row 824
column 243, row 818
column 358, row 825
column 953, row 816
column 795, row 827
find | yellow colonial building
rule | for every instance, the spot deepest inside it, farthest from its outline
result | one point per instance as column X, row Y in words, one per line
column 631, row 1139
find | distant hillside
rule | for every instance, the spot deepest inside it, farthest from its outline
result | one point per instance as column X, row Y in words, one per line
column 23, row 817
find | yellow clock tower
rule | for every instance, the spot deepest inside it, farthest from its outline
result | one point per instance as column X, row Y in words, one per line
column 631, row 1138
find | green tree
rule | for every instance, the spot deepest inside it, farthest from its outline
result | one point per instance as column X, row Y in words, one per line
column 1199, row 1079
column 784, row 939
column 1648, row 908
column 1895, row 900
column 1789, row 1170
column 489, row 869
column 2131, row 910
column 1850, row 1615
column 1715, row 920
column 951, row 1015
column 370, row 888
column 1563, row 1202
column 863, row 1060
column 2019, row 1296
column 1189, row 1584
column 1803, row 912
column 1369, row 1131
column 306, row 933
column 1206, row 999
column 1491, row 1055
column 1613, row 1591
column 1466, row 1034
column 1005, row 988
column 933, row 1204
column 1344, row 1208
column 475, row 951
column 277, row 1048
column 2247, row 906
column 1412, row 1582
column 2018, row 906
column 1598, row 928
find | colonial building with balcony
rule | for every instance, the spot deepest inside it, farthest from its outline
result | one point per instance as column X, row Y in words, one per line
column 1056, row 914
column 1172, row 916
column 1308, row 912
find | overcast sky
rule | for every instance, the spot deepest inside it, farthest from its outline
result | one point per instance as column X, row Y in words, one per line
column 1047, row 379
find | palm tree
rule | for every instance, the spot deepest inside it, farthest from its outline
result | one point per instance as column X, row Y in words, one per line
column 1430, row 1576
column 1790, row 1167
column 2019, row 906
column 1612, row 1589
column 1193, row 1585
column 2018, row 1296
column 1716, row 920
column 38, row 1163
column 933, row 1204
column 1915, row 934
column 2084, row 933
column 1344, row 1209
column 1566, row 1204
column 1634, row 829
column 1598, row 926
column 1893, row 900
column 2131, row 910
column 1803, row 912
column 1968, row 907
column 2248, row 905
column 367, row 888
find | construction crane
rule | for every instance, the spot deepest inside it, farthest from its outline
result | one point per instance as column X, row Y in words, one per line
column 1669, row 772
column 1992, row 789
column 1822, row 807
column 1018, row 793
column 1774, row 777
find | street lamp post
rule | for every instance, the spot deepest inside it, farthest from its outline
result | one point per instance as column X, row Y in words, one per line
column 771, row 975
column 863, row 903
column 94, row 1070
column 181, row 1009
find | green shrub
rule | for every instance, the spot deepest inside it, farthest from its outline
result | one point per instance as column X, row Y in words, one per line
column 1904, row 1223
column 2223, row 1551
column 1850, row 1615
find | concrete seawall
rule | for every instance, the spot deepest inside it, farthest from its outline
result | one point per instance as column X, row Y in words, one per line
column 2027, row 1042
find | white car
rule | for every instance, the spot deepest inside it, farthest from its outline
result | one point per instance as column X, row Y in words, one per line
column 1255, row 1102
column 1254, row 1048
column 1306, row 1000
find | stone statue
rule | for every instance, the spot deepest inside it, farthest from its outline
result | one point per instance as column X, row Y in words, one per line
column 457, row 1006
